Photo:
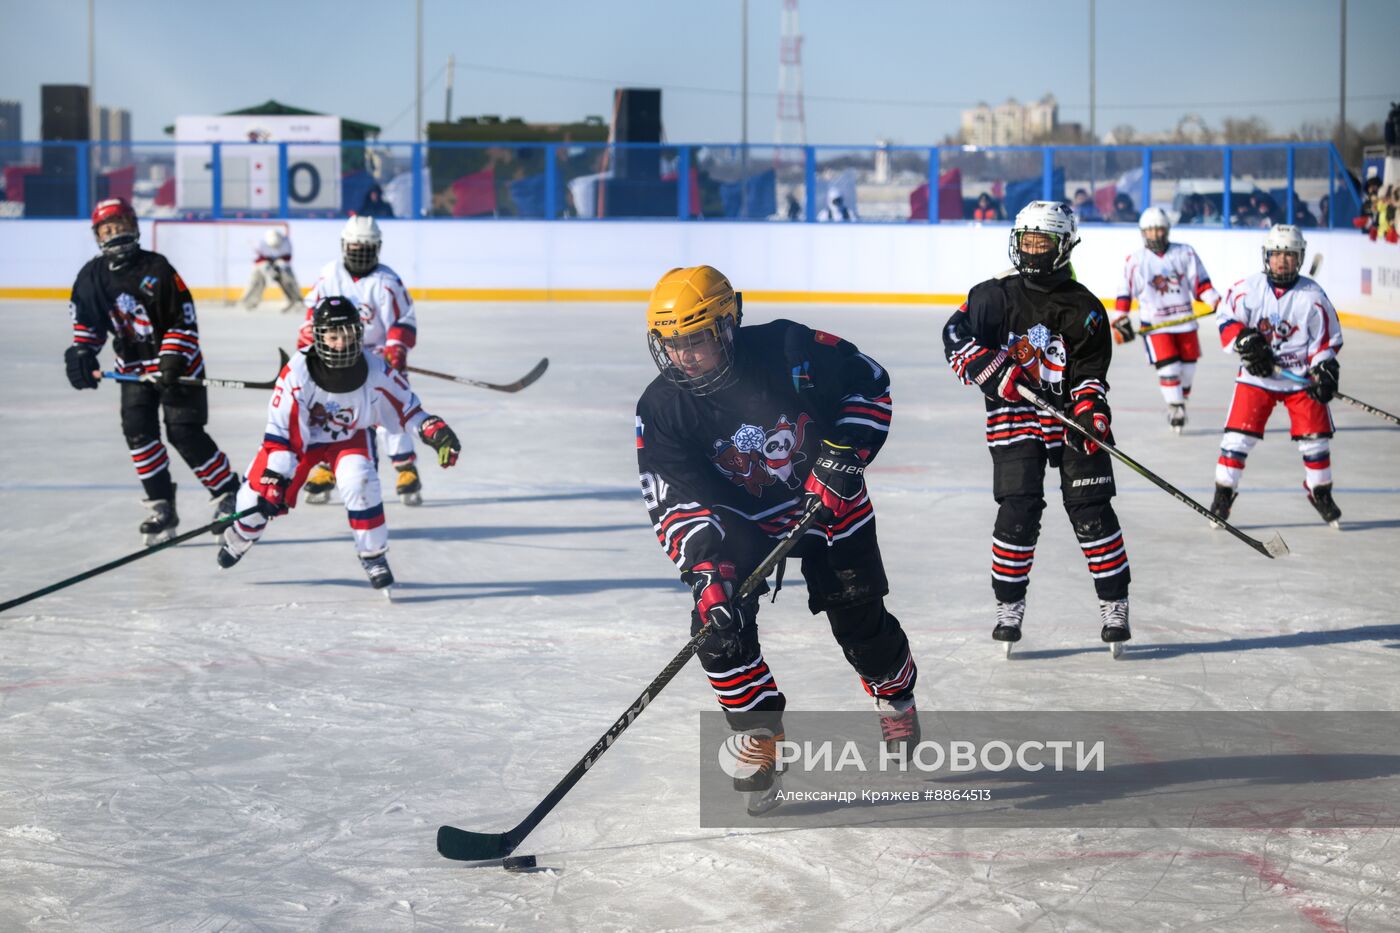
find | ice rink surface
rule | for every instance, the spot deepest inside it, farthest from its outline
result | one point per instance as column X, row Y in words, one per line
column 273, row 747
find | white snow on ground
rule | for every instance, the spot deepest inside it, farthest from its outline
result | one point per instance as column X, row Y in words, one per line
column 273, row 747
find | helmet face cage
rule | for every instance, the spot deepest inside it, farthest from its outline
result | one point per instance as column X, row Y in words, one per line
column 1054, row 219
column 718, row 339
column 117, row 247
column 1042, row 263
column 1154, row 218
column 1283, row 239
column 360, row 256
column 347, row 330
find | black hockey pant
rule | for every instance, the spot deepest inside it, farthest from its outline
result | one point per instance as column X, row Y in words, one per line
column 186, row 412
column 1086, row 486
column 846, row 580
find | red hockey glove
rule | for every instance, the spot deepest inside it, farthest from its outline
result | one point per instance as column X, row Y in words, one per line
column 437, row 435
column 271, row 488
column 836, row 483
column 1093, row 416
column 1123, row 329
column 713, row 587
column 396, row 355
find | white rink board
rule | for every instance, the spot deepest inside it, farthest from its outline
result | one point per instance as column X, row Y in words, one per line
column 273, row 747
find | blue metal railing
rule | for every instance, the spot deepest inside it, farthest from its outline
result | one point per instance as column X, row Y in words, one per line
column 602, row 181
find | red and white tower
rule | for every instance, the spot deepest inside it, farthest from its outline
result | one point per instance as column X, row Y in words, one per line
column 792, row 116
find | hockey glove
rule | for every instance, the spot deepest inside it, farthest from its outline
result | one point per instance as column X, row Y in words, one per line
column 396, row 355
column 1254, row 352
column 437, row 435
column 1325, row 376
column 82, row 366
column 1093, row 416
column 713, row 585
column 172, row 367
column 271, row 488
column 836, row 483
column 999, row 377
column 1123, row 329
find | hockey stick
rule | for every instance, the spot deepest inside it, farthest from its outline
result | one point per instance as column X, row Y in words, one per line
column 463, row 845
column 1356, row 402
column 1316, row 264
column 1274, row 547
column 203, row 381
column 525, row 380
column 113, row 565
column 1173, row 321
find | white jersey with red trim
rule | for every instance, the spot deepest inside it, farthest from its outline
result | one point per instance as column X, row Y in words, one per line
column 280, row 253
column 1299, row 323
column 303, row 417
column 1164, row 286
column 384, row 303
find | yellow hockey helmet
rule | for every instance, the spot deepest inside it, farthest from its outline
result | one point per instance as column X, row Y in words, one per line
column 691, row 318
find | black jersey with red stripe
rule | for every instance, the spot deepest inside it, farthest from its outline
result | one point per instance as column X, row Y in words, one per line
column 743, row 453
column 143, row 307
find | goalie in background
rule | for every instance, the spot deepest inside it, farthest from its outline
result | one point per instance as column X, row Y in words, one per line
column 272, row 263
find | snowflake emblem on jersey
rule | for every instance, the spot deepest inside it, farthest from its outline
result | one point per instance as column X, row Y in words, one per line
column 749, row 437
column 1039, row 336
column 129, row 317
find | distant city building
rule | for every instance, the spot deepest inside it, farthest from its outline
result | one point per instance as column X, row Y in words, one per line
column 1011, row 123
column 114, row 128
column 9, row 131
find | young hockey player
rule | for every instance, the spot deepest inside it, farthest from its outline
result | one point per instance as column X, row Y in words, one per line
column 1165, row 278
column 391, row 330
column 137, row 299
column 327, row 400
column 1038, row 327
column 743, row 429
column 1281, row 324
column 272, row 263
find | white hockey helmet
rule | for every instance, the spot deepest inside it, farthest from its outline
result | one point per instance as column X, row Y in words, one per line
column 274, row 238
column 1052, row 218
column 359, row 245
column 1284, row 238
column 1152, row 219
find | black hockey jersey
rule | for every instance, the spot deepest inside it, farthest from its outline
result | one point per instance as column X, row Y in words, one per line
column 144, row 307
column 1057, row 334
column 743, row 453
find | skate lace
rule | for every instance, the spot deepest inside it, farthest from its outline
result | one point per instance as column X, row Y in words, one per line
column 1115, row 614
column 1009, row 614
column 898, row 726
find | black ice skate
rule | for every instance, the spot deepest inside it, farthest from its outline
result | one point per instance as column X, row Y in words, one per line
column 380, row 576
column 1222, row 503
column 756, row 772
column 224, row 506
column 899, row 726
column 1114, row 614
column 1176, row 417
column 161, row 523
column 408, row 487
column 1321, row 499
column 1008, row 627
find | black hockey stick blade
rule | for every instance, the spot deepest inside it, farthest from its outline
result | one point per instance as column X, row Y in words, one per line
column 466, row 846
column 1274, row 548
column 526, row 380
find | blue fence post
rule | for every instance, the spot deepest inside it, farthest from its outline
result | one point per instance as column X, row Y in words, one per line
column 216, row 179
column 935, row 170
column 551, row 182
column 1331, row 189
column 1289, row 216
column 1227, row 171
column 811, row 182
column 417, row 180
column 283, row 195
column 1145, row 198
column 1047, row 174
column 683, row 183
column 83, row 157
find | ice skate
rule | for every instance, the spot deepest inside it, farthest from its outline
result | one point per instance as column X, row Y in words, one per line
column 224, row 507
column 1321, row 499
column 160, row 525
column 1008, row 627
column 899, row 725
column 1222, row 503
column 377, row 568
column 408, row 487
column 756, row 772
column 1114, row 613
column 1176, row 417
column 319, row 485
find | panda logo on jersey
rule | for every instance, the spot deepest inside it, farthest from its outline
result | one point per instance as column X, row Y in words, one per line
column 331, row 417
column 129, row 317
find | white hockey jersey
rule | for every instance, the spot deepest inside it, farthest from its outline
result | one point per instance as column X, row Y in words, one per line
column 1164, row 286
column 1299, row 323
column 303, row 417
column 263, row 253
column 385, row 306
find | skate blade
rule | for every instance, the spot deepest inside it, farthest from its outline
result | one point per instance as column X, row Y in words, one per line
column 159, row 537
column 763, row 801
column 1115, row 648
column 411, row 498
column 1176, row 429
column 1335, row 523
column 388, row 592
column 1006, row 648
column 318, row 498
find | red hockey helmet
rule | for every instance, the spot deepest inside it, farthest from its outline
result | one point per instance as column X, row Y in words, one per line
column 117, row 220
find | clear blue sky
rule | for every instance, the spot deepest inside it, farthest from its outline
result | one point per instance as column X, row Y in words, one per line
column 896, row 69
